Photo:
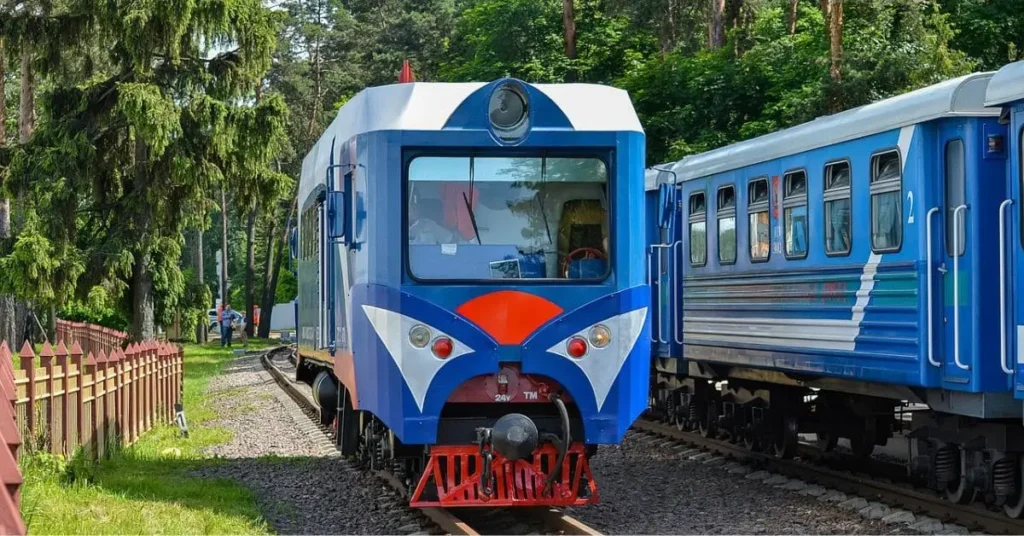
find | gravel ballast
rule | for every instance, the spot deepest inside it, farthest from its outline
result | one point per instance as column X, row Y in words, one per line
column 300, row 483
column 649, row 489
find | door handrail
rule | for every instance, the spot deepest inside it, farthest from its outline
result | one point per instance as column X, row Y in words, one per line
column 656, row 336
column 676, row 297
column 928, row 246
column 956, row 286
column 1002, row 286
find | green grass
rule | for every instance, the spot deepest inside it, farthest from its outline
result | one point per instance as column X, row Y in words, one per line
column 147, row 488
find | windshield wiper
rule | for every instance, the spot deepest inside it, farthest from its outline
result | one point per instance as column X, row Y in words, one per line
column 472, row 216
column 540, row 198
column 469, row 206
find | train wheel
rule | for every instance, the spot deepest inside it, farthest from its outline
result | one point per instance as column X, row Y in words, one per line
column 750, row 440
column 1014, row 506
column 863, row 445
column 826, row 441
column 679, row 419
column 786, row 440
column 960, row 491
column 708, row 425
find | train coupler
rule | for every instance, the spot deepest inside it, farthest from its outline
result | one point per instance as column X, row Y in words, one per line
column 463, row 475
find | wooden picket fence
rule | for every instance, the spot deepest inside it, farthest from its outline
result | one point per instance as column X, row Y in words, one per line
column 63, row 399
column 91, row 338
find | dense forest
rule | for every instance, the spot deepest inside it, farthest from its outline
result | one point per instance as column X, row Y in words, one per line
column 139, row 136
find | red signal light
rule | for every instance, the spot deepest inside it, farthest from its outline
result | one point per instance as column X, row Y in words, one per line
column 442, row 347
column 577, row 347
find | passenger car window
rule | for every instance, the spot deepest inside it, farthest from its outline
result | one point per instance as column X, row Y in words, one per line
column 838, row 237
column 886, row 202
column 794, row 202
column 698, row 229
column 760, row 219
column 726, row 214
column 956, row 195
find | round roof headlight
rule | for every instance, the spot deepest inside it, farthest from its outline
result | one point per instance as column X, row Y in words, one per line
column 509, row 111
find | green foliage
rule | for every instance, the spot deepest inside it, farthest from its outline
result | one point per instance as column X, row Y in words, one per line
column 96, row 312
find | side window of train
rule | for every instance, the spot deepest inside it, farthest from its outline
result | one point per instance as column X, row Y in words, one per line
column 956, row 195
column 838, row 227
column 698, row 229
column 886, row 202
column 726, row 214
column 794, row 202
column 760, row 219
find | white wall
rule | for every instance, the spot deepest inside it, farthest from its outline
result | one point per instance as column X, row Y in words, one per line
column 283, row 317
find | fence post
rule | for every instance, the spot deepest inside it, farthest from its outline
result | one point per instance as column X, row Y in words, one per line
column 46, row 356
column 28, row 365
column 76, row 360
column 150, row 399
column 116, row 357
column 94, row 440
column 102, row 368
column 133, row 377
column 65, row 399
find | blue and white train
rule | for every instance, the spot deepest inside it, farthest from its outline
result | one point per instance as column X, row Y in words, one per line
column 821, row 278
column 470, row 299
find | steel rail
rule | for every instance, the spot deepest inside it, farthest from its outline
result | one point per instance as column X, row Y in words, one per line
column 892, row 494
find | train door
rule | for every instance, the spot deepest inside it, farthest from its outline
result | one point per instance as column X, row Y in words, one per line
column 957, row 218
column 660, row 262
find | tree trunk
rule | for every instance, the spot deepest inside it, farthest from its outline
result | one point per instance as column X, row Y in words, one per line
column 835, row 70
column 314, row 118
column 26, row 124
column 250, row 271
column 569, row 33
column 8, row 319
column 716, row 26
column 271, row 289
column 223, row 246
column 826, row 9
column 202, row 326
column 143, row 302
column 668, row 35
column 791, row 26
column 143, row 299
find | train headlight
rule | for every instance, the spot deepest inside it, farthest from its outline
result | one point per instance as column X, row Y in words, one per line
column 419, row 336
column 509, row 112
column 577, row 347
column 600, row 336
column 442, row 347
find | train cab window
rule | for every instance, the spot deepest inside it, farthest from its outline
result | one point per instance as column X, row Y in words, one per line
column 760, row 219
column 838, row 236
column 698, row 229
column 956, row 195
column 726, row 214
column 490, row 218
column 794, row 202
column 886, row 202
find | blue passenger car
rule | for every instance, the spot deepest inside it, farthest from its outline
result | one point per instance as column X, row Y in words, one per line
column 833, row 272
column 470, row 295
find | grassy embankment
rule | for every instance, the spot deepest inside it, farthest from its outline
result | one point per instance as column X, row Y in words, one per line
column 146, row 488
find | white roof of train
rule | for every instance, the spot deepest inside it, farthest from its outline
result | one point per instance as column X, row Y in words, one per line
column 1007, row 85
column 963, row 96
column 428, row 105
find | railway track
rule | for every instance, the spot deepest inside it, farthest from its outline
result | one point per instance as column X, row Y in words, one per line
column 894, row 494
column 465, row 521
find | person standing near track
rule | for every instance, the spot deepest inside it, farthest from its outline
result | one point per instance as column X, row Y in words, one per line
column 227, row 320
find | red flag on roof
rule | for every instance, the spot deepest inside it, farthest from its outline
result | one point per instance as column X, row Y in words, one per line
column 405, row 76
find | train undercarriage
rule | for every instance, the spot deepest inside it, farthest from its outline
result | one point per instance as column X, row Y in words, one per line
column 512, row 453
column 965, row 458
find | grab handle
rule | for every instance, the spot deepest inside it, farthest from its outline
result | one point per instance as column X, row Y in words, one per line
column 1002, row 286
column 657, row 336
column 677, row 309
column 956, row 286
column 928, row 247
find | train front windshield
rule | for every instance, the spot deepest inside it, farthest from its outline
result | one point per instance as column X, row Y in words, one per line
column 486, row 218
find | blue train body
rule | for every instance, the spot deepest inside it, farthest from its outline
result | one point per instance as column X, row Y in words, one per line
column 455, row 269
column 829, row 275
